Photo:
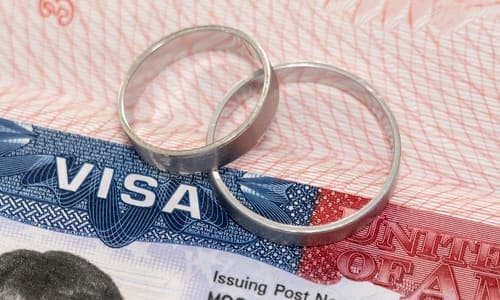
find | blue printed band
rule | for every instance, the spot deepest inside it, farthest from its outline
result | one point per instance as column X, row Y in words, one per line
column 89, row 187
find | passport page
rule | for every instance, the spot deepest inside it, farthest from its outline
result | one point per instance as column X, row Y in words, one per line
column 66, row 164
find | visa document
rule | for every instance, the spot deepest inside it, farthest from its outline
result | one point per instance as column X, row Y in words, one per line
column 82, row 216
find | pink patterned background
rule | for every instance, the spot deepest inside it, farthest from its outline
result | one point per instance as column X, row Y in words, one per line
column 435, row 62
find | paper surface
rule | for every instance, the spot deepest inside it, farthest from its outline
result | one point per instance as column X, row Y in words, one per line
column 53, row 198
column 76, row 190
column 434, row 62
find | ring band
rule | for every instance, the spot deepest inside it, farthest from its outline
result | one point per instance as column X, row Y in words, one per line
column 338, row 230
column 180, row 44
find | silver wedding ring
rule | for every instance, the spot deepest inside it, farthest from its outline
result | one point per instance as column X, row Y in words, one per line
column 173, row 47
column 338, row 230
column 220, row 152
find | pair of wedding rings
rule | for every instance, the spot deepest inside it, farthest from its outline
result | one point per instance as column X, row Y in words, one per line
column 217, row 153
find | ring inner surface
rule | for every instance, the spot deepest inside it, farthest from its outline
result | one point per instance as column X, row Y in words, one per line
column 146, row 112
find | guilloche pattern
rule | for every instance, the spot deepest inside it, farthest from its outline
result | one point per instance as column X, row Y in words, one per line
column 433, row 62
